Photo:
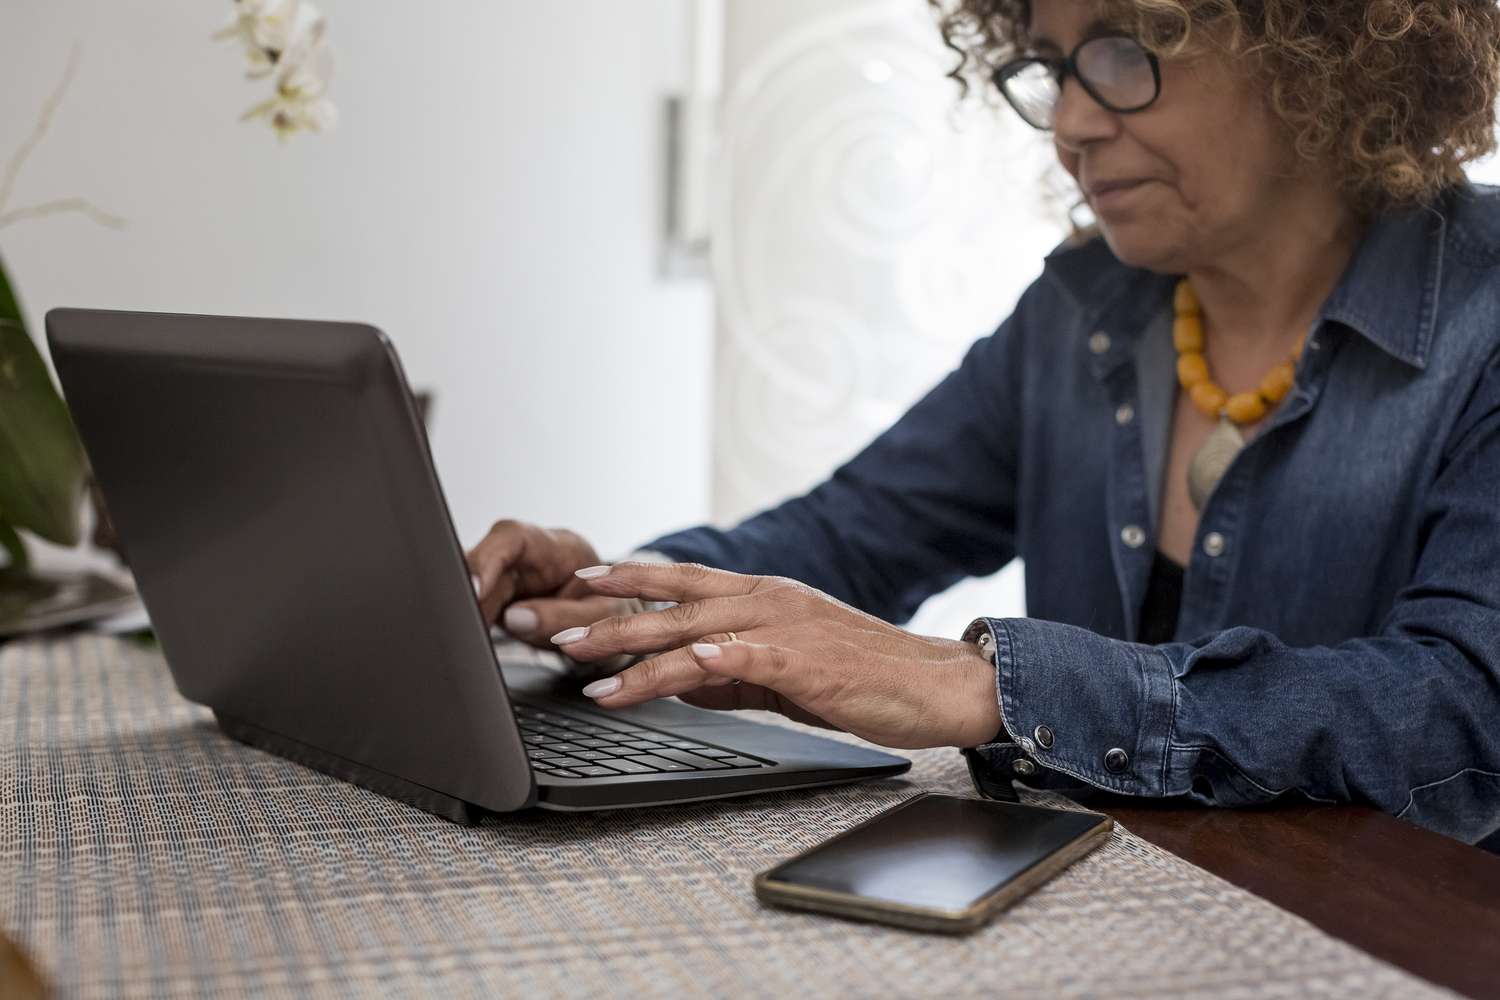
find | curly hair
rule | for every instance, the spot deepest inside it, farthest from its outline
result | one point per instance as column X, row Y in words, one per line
column 1396, row 95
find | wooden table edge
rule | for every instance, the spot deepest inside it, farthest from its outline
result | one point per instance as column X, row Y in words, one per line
column 1421, row 901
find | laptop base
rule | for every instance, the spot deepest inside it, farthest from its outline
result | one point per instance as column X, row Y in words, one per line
column 435, row 802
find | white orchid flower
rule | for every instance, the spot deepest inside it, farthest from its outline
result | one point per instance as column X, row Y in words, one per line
column 272, row 31
column 299, row 103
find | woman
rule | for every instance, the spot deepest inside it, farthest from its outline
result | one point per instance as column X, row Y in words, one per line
column 1247, row 440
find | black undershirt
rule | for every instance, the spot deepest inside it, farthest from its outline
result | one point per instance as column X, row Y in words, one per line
column 1163, row 601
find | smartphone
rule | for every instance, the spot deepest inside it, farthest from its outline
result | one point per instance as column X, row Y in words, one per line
column 935, row 862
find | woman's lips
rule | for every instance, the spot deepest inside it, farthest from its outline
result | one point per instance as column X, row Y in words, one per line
column 1110, row 195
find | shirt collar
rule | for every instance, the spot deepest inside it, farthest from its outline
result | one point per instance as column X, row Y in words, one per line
column 1388, row 293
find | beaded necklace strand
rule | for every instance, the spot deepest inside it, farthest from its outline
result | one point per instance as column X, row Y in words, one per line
column 1210, row 462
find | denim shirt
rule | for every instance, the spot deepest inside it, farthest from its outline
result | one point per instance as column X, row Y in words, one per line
column 1339, row 634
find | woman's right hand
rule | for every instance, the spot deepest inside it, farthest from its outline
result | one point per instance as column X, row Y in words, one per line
column 524, row 579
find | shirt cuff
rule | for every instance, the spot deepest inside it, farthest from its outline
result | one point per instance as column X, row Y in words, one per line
column 1078, row 709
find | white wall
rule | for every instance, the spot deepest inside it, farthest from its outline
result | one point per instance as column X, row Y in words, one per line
column 1487, row 171
column 867, row 230
column 490, row 198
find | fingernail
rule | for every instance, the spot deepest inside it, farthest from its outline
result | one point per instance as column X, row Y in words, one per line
column 591, row 572
column 570, row 634
column 478, row 587
column 602, row 688
column 520, row 620
column 707, row 651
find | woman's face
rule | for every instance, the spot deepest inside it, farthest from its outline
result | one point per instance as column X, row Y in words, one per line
column 1193, row 177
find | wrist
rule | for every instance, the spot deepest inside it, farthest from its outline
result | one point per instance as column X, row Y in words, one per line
column 977, row 719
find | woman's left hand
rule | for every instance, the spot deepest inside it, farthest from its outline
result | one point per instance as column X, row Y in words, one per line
column 799, row 652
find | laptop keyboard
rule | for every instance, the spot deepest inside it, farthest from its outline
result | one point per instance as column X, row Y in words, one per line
column 564, row 745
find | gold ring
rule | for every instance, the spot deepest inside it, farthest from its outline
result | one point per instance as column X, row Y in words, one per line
column 734, row 638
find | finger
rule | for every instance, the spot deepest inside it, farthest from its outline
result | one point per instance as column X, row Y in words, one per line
column 661, row 676
column 523, row 560
column 783, row 671
column 491, row 558
column 576, row 588
column 653, row 631
column 536, row 620
column 667, row 582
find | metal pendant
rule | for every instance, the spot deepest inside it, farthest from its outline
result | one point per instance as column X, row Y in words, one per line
column 1210, row 462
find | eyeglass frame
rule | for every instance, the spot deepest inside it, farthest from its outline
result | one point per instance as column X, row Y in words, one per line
column 1065, row 66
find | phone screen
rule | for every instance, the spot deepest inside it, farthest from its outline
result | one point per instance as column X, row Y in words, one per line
column 937, row 851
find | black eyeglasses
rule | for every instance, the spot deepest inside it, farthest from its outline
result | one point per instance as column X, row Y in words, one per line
column 1115, row 70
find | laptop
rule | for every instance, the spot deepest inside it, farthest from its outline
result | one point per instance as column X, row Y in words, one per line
column 271, row 483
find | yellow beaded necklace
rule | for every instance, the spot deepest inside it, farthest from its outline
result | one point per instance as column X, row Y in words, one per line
column 1209, row 463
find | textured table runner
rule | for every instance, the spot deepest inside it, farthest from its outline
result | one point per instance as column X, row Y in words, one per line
column 142, row 853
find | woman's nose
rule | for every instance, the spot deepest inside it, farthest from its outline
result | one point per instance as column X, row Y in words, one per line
column 1078, row 119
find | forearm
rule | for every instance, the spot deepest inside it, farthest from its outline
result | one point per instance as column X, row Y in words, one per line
column 827, row 540
column 930, row 501
column 1393, row 721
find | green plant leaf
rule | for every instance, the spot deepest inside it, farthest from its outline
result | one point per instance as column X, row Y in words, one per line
column 42, row 466
column 10, row 542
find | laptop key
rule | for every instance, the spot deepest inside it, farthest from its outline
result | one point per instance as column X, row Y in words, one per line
column 682, row 744
column 574, row 762
column 562, row 772
column 715, row 752
column 740, row 762
column 692, row 760
column 630, row 765
column 597, row 748
column 662, row 763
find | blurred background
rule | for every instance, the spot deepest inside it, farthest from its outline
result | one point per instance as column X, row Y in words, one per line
column 660, row 262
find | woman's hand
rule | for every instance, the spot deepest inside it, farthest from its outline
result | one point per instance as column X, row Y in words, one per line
column 527, row 572
column 799, row 652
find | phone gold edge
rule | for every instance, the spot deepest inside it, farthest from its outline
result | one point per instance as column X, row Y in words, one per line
column 845, row 904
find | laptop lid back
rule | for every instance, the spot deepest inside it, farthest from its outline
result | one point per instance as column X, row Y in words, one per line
column 272, row 485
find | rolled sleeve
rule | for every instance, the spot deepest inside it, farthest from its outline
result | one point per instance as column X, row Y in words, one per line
column 1106, row 708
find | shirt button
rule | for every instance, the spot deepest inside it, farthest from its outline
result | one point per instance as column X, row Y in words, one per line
column 1124, row 414
column 1043, row 736
column 1023, row 767
column 1214, row 544
column 1116, row 760
column 1099, row 342
column 1133, row 536
column 986, row 643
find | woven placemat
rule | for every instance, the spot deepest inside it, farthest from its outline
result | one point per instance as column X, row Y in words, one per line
column 142, row 853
